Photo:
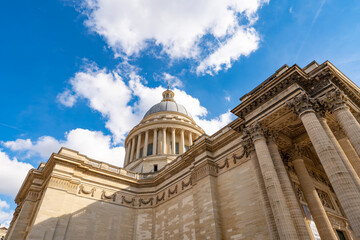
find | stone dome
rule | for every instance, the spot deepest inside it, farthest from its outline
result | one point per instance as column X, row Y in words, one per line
column 168, row 104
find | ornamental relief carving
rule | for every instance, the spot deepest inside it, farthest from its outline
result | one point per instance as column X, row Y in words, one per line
column 325, row 199
column 298, row 192
column 87, row 191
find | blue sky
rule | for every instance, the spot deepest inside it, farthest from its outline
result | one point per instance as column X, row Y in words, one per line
column 82, row 75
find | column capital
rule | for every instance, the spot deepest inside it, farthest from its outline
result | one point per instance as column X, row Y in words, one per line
column 296, row 153
column 302, row 103
column 255, row 131
column 335, row 100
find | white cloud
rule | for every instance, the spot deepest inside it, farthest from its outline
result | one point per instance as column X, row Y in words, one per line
column 181, row 28
column 66, row 98
column 94, row 144
column 243, row 42
column 12, row 174
column 5, row 215
column 228, row 98
column 123, row 104
column 167, row 78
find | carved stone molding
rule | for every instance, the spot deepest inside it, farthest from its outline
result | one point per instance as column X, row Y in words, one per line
column 302, row 103
column 206, row 169
column 298, row 192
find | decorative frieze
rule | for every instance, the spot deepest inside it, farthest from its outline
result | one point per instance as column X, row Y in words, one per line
column 325, row 199
column 171, row 192
column 87, row 191
column 146, row 202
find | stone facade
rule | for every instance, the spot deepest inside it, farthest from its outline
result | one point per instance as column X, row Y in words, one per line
column 286, row 168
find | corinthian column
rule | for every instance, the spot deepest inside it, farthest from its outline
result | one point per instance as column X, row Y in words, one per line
column 282, row 216
column 340, row 178
column 317, row 210
column 154, row 141
column 339, row 150
column 248, row 145
column 173, row 143
column 146, row 143
column 138, row 146
column 288, row 190
column 349, row 150
column 345, row 118
column 132, row 149
column 164, row 140
column 182, row 141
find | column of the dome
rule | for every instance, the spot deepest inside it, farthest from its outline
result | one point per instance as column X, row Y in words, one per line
column 155, row 141
column 146, row 143
column 138, row 145
column 173, row 143
column 132, row 150
column 164, row 140
column 190, row 138
column 127, row 154
column 182, row 142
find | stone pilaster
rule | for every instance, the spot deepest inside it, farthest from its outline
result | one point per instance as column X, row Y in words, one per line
column 281, row 212
column 292, row 202
column 337, row 101
column 340, row 178
column 317, row 210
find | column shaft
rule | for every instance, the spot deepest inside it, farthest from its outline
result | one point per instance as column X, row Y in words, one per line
column 291, row 199
column 146, row 141
column 182, row 142
column 127, row 154
column 312, row 198
column 340, row 179
column 277, row 200
column 190, row 138
column 164, row 141
column 138, row 146
column 351, row 154
column 132, row 149
column 340, row 151
column 173, row 146
column 350, row 125
column 154, row 141
column 264, row 198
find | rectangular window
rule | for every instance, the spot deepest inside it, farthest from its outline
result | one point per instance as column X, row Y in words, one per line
column 186, row 148
column 149, row 149
column 177, row 148
column 155, row 167
column 141, row 153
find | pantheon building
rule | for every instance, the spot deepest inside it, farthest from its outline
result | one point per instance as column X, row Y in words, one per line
column 286, row 168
